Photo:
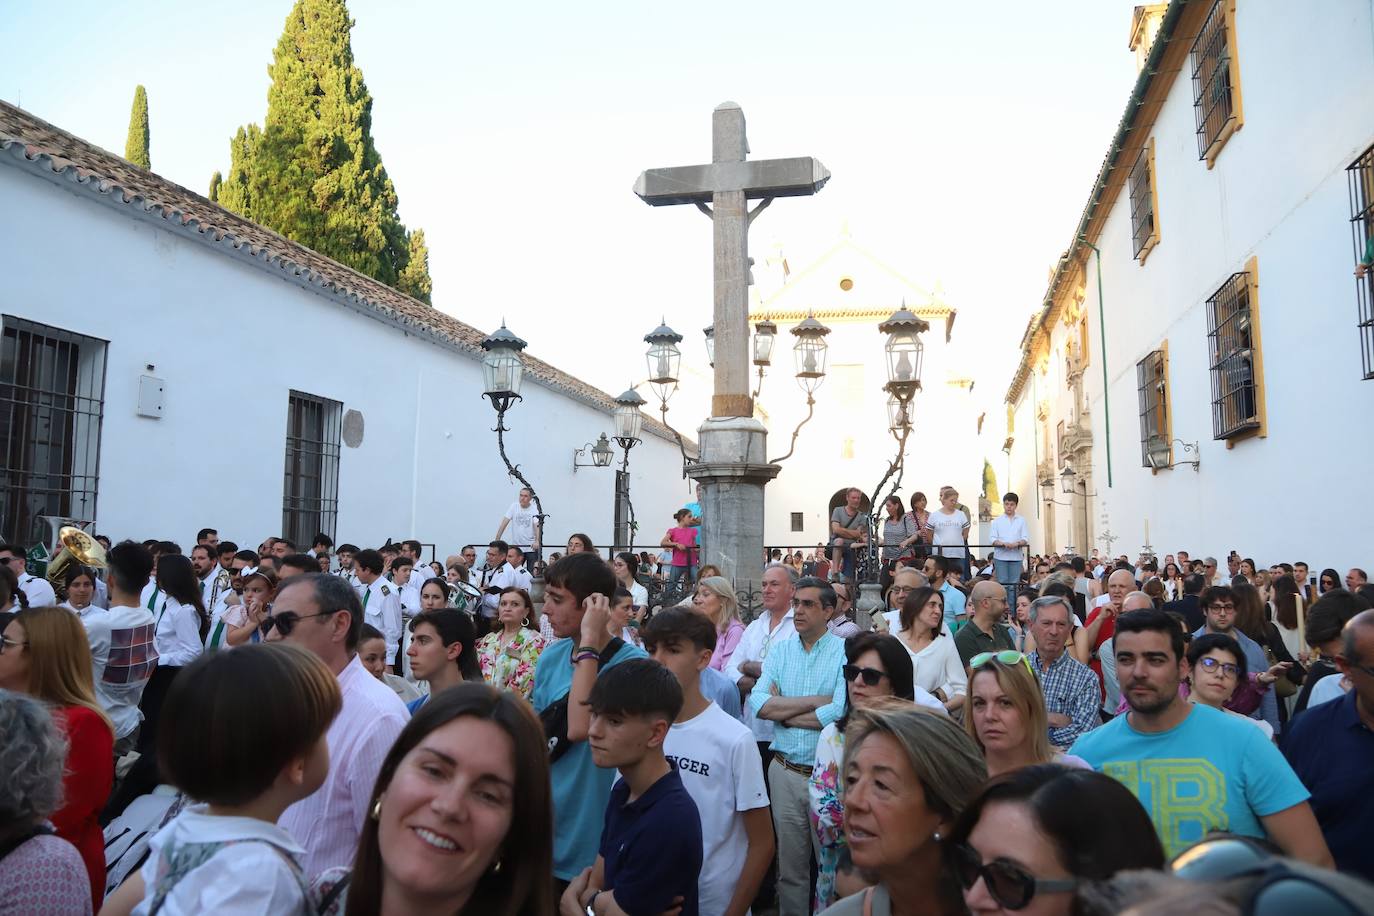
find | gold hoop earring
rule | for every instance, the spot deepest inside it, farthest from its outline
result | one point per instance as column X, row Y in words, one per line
column 496, row 869
column 377, row 809
column 525, row 622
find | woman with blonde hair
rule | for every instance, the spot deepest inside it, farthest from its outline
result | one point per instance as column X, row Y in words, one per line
column 909, row 772
column 44, row 653
column 715, row 597
column 1006, row 715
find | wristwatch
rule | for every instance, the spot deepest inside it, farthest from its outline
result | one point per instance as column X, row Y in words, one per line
column 591, row 903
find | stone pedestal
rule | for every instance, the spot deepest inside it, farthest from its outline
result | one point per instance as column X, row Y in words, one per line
column 733, row 471
column 869, row 604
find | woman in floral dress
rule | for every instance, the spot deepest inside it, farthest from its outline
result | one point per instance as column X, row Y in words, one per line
column 508, row 655
column 878, row 667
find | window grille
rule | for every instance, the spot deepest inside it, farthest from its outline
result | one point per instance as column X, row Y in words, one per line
column 1142, row 204
column 1213, row 101
column 797, row 524
column 1152, row 386
column 1230, row 343
column 1361, row 174
column 52, row 403
column 310, row 493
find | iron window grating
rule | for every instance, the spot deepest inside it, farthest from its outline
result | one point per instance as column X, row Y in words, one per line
column 310, row 493
column 1142, row 203
column 52, row 405
column 798, row 523
column 1230, row 344
column 1213, row 104
column 1361, row 175
column 1152, row 387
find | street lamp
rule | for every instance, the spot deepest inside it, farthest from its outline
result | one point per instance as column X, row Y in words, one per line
column 502, row 374
column 710, row 332
column 601, row 454
column 628, row 422
column 904, row 349
column 664, row 359
column 765, row 334
column 809, row 353
column 1159, row 452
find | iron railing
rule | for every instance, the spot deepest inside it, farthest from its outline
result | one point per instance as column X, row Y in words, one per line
column 52, row 404
column 1230, row 342
column 1361, row 174
column 1213, row 104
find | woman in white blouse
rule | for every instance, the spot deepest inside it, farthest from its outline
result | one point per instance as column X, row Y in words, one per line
column 626, row 566
column 934, row 657
column 182, row 624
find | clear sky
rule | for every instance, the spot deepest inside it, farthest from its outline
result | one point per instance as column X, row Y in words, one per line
column 963, row 139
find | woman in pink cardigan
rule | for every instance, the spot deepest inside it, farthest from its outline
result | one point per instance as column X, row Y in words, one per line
column 715, row 598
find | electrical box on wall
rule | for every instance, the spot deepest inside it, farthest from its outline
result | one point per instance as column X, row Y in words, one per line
column 150, row 391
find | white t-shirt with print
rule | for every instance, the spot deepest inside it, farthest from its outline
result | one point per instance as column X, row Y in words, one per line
column 949, row 532
column 719, row 763
column 521, row 531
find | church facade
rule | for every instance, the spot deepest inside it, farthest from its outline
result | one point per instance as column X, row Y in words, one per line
column 1200, row 373
column 848, row 442
column 168, row 365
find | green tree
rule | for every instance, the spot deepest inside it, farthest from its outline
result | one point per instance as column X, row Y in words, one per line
column 136, row 146
column 414, row 280
column 313, row 173
column 215, row 181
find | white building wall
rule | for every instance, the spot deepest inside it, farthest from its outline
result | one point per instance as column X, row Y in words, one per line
column 231, row 339
column 1277, row 193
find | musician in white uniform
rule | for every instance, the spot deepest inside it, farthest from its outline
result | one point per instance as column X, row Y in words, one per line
column 38, row 592
column 215, row 588
column 381, row 602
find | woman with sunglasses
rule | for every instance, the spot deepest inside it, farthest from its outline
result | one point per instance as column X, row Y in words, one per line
column 934, row 656
column 1216, row 668
column 1006, row 714
column 1033, row 836
column 878, row 667
column 908, row 774
column 1328, row 581
column 452, row 825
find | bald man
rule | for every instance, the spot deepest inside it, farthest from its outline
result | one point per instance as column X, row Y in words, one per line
column 985, row 631
column 1101, row 622
column 1111, row 687
column 904, row 581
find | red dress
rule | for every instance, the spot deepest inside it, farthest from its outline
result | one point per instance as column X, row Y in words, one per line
column 86, row 786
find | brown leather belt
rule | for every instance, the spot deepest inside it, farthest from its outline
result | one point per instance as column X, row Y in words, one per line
column 794, row 767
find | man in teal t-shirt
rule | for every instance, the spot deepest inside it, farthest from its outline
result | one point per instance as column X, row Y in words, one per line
column 581, row 790
column 1193, row 768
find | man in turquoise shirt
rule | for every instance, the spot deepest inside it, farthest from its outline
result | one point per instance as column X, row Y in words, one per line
column 581, row 790
column 801, row 690
column 937, row 569
column 1194, row 769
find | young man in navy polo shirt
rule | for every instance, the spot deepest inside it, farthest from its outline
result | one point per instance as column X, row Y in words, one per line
column 651, row 843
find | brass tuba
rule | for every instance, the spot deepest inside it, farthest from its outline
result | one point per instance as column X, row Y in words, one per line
column 77, row 547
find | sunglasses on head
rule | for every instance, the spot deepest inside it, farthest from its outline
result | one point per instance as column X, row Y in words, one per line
column 1008, row 883
column 1006, row 657
column 871, row 676
column 1280, row 891
column 285, row 621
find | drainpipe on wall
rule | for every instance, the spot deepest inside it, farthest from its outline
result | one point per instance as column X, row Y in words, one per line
column 1102, row 336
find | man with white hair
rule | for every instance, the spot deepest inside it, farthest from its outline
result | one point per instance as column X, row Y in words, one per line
column 1072, row 693
column 1134, row 601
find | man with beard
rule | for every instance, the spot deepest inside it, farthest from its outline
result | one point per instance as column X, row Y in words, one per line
column 1195, row 769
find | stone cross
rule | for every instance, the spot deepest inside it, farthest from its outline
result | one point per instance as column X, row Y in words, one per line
column 726, row 184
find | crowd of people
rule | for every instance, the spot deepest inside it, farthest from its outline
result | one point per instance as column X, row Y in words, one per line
column 346, row 731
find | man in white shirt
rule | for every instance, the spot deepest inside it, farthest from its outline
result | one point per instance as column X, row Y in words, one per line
column 494, row 576
column 719, row 764
column 37, row 591
column 322, row 614
column 214, row 581
column 772, row 626
column 1009, row 536
column 524, row 526
column 403, row 577
column 517, row 570
column 381, row 605
column 122, row 653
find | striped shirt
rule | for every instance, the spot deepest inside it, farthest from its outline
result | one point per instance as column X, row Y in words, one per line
column 802, row 673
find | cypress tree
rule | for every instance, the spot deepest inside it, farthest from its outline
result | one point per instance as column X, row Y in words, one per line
column 215, row 181
column 414, row 280
column 313, row 173
column 136, row 146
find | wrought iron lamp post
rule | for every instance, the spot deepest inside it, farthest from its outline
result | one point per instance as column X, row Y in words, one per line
column 502, row 374
column 809, row 353
column 601, row 454
column 765, row 335
column 664, row 360
column 628, row 422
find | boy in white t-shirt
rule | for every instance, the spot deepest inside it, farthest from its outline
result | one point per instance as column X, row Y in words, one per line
column 719, row 764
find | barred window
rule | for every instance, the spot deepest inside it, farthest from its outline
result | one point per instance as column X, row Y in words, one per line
column 310, row 501
column 52, row 404
column 797, row 522
column 1142, row 180
column 1231, row 345
column 1361, row 174
column 1214, row 98
column 1152, row 386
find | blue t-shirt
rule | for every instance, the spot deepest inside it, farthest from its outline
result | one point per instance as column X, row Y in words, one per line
column 1210, row 772
column 722, row 691
column 694, row 508
column 580, row 788
column 652, row 847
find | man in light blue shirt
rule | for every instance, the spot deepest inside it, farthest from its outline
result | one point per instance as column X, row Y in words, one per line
column 937, row 568
column 801, row 690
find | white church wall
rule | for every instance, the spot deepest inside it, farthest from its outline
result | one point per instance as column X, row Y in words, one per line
column 230, row 340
